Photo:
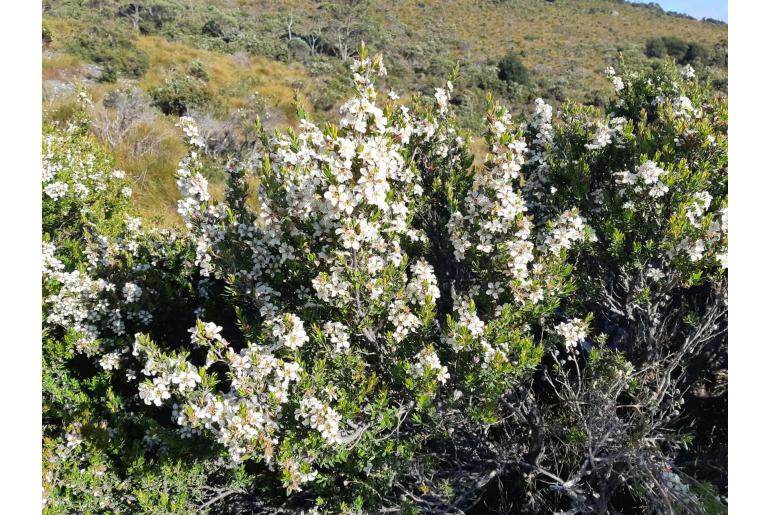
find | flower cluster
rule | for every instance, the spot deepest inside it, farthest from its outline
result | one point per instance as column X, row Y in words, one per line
column 617, row 82
column 288, row 331
column 321, row 418
column 244, row 419
column 573, row 332
column 381, row 266
column 337, row 334
column 423, row 283
column 647, row 178
column 428, row 365
column 604, row 133
column 568, row 229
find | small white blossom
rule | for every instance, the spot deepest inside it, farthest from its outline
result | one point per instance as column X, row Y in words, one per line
column 573, row 332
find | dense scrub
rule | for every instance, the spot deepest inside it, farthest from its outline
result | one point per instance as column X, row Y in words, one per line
column 366, row 320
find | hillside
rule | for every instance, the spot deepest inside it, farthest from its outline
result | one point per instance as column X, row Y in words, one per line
column 227, row 61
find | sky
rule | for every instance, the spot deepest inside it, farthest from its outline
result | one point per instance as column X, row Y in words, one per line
column 716, row 9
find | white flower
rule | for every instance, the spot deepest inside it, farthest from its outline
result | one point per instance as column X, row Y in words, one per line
column 722, row 258
column 190, row 129
column 655, row 274
column 646, row 175
column 74, row 438
column 442, row 99
column 110, row 361
column 695, row 250
column 602, row 137
column 700, row 204
column 320, row 417
column 649, row 172
column 56, row 190
column 569, row 228
column 337, row 333
column 423, row 283
column 131, row 292
column 469, row 319
column 185, row 379
column 209, row 332
column 427, row 362
column 288, row 331
column 573, row 332
column 403, row 319
column 155, row 392
column 682, row 106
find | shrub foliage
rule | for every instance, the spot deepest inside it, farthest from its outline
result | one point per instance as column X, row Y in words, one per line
column 369, row 320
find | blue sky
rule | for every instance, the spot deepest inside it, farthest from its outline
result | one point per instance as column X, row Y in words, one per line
column 716, row 9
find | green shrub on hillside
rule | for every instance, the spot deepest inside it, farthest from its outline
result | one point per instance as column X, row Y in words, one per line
column 651, row 178
column 686, row 53
column 47, row 35
column 112, row 47
column 655, row 47
column 104, row 278
column 511, row 69
column 179, row 94
column 198, row 71
column 149, row 17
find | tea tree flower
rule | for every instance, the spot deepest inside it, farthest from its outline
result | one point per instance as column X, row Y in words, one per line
column 110, row 361
column 338, row 335
column 428, row 364
column 56, row 190
column 289, row 331
column 572, row 332
column 131, row 292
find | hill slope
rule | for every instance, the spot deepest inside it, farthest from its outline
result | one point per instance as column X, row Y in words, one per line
column 229, row 60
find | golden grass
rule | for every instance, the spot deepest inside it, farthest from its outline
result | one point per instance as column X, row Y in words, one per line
column 60, row 66
column 570, row 41
column 556, row 40
column 275, row 81
column 155, row 191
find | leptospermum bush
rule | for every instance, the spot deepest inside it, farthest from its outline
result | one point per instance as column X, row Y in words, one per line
column 334, row 287
column 650, row 179
column 105, row 277
column 360, row 323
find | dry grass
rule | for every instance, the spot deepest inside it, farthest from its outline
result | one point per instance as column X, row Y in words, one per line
column 155, row 191
column 571, row 39
column 274, row 81
column 61, row 67
column 566, row 43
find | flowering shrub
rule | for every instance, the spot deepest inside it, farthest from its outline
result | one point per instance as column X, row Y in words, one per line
column 104, row 278
column 365, row 319
column 650, row 178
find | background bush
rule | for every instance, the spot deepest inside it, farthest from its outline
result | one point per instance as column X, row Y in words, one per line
column 512, row 69
column 114, row 48
column 179, row 94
